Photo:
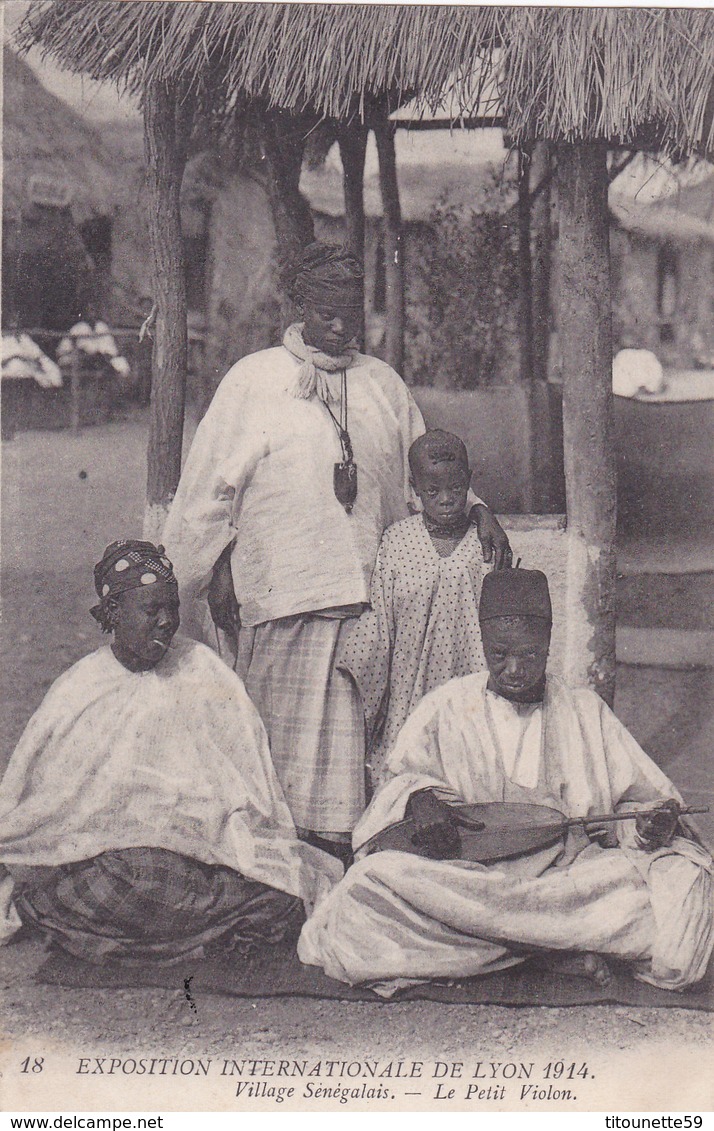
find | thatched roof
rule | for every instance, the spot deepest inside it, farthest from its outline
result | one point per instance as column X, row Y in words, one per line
column 560, row 73
column 42, row 136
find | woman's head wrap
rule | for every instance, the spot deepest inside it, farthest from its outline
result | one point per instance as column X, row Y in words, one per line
column 515, row 593
column 128, row 564
column 435, row 447
column 326, row 275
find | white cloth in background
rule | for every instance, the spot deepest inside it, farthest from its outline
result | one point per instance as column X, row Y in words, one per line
column 173, row 758
column 22, row 358
column 89, row 339
column 636, row 370
column 397, row 918
column 260, row 474
column 93, row 340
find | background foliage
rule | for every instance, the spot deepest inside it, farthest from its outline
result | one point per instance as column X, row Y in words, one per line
column 464, row 334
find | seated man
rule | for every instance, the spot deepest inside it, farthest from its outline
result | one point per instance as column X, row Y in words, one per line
column 140, row 815
column 515, row 735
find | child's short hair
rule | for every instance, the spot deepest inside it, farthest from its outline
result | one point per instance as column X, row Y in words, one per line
column 436, row 446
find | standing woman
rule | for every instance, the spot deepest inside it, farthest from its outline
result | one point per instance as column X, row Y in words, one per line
column 295, row 471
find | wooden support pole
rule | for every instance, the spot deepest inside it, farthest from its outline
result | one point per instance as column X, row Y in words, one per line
column 525, row 287
column 545, row 458
column 282, row 143
column 538, row 441
column 75, row 390
column 525, row 332
column 541, row 238
column 164, row 144
column 352, row 140
column 588, row 426
column 384, row 132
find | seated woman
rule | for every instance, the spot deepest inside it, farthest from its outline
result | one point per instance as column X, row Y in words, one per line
column 140, row 813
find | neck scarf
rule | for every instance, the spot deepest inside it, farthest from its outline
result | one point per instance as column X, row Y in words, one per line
column 311, row 377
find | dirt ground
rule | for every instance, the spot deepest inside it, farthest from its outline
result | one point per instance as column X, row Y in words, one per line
column 64, row 498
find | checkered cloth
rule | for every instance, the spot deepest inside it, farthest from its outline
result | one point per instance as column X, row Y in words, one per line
column 141, row 903
column 313, row 717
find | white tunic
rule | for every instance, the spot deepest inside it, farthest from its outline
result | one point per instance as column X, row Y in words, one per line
column 396, row 918
column 260, row 473
column 173, row 758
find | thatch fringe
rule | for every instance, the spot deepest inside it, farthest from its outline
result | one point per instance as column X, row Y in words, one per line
column 564, row 74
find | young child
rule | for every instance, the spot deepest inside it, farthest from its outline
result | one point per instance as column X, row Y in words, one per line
column 422, row 628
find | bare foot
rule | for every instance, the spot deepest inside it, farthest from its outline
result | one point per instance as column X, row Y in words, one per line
column 574, row 965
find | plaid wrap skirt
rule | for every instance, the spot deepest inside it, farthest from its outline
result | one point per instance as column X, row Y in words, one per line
column 313, row 715
column 136, row 904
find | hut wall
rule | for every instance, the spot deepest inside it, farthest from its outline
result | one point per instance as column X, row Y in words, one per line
column 637, row 317
column 635, row 313
column 665, row 469
column 46, row 271
column 131, row 257
column 694, row 325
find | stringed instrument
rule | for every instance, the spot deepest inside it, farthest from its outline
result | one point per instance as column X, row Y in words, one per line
column 500, row 830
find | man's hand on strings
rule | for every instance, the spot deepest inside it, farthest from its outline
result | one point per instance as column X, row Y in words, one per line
column 658, row 829
column 493, row 538
column 222, row 602
column 436, row 833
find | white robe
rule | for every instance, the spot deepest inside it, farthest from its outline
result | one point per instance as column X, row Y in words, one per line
column 397, row 918
column 173, row 758
column 260, row 474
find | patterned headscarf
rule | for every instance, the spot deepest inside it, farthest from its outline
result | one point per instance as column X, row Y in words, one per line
column 128, row 564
